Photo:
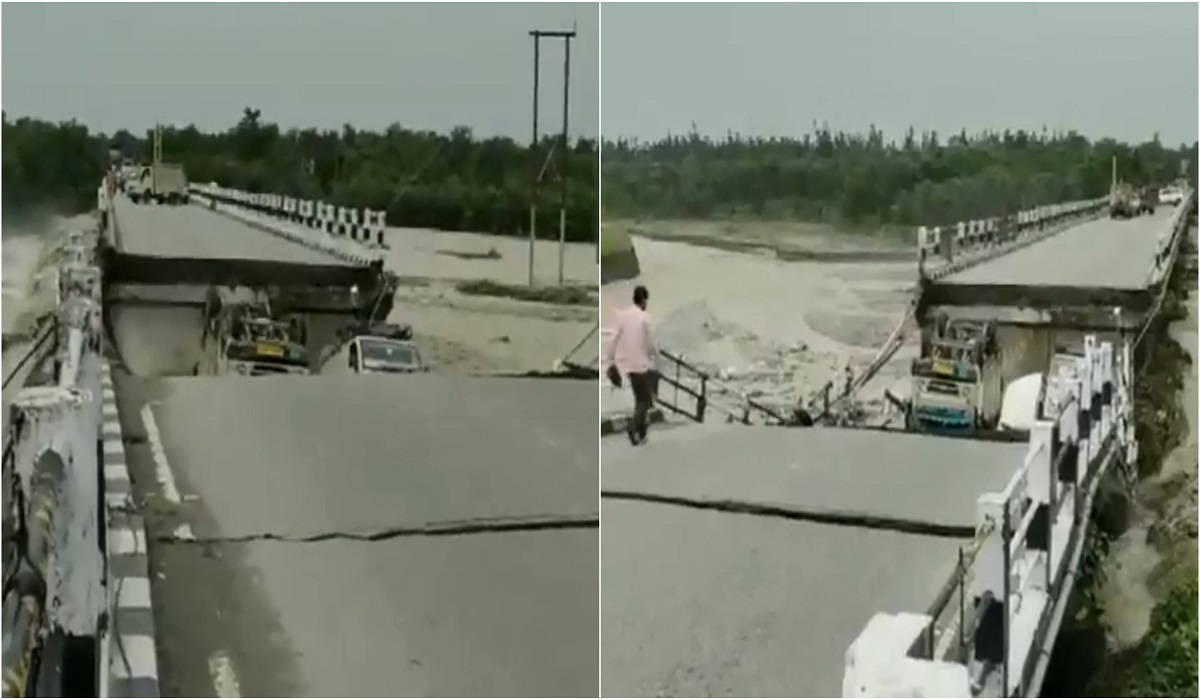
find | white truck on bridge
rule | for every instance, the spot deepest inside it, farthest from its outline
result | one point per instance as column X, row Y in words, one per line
column 162, row 183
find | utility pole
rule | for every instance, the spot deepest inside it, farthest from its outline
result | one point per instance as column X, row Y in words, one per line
column 559, row 155
column 156, row 157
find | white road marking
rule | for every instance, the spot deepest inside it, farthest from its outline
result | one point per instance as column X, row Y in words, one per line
column 126, row 541
column 115, row 471
column 184, row 533
column 162, row 469
column 134, row 593
column 225, row 681
column 139, row 652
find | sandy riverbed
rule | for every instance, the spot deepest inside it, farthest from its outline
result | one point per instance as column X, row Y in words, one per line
column 487, row 334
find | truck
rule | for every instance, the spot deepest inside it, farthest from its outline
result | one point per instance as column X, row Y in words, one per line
column 242, row 338
column 1148, row 200
column 1123, row 201
column 162, row 183
column 957, row 387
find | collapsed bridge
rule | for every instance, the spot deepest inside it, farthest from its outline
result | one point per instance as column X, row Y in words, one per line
column 884, row 563
column 226, row 509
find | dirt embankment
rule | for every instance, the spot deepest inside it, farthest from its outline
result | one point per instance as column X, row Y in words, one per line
column 1146, row 586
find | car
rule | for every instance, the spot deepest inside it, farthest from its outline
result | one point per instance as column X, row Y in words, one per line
column 1171, row 196
column 372, row 354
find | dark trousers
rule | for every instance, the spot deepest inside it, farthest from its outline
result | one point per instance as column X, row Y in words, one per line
column 643, row 385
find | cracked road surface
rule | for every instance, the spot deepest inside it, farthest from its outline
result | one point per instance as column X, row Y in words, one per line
column 708, row 602
column 489, row 612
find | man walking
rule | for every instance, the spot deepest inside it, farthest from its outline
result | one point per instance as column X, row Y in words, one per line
column 632, row 352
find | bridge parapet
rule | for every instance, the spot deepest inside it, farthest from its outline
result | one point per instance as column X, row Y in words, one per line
column 63, row 435
column 355, row 235
column 944, row 250
column 1012, row 582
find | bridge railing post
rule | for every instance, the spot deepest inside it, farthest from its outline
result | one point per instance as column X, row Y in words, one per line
column 1028, row 539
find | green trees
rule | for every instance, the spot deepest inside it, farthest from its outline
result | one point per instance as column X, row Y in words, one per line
column 50, row 165
column 451, row 181
column 862, row 180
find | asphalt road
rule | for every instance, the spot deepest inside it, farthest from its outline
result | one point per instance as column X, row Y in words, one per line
column 329, row 459
column 707, row 604
column 700, row 602
column 191, row 231
column 914, row 478
column 1114, row 254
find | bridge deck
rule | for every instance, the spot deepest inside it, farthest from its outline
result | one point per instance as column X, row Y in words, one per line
column 327, row 457
column 192, row 231
column 703, row 602
column 1104, row 253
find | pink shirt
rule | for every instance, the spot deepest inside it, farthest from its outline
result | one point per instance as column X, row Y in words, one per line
column 632, row 347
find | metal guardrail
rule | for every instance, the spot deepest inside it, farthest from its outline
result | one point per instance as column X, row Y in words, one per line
column 675, row 379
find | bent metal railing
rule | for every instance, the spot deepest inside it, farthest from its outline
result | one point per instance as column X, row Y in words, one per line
column 683, row 378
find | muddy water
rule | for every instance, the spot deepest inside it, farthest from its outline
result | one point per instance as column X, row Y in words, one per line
column 773, row 329
column 20, row 253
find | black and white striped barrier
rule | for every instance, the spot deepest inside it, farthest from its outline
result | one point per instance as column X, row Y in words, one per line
column 995, row 625
column 250, row 210
column 945, row 250
column 130, row 645
column 365, row 226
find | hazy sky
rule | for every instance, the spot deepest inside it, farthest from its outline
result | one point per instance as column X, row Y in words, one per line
column 1124, row 70
column 426, row 66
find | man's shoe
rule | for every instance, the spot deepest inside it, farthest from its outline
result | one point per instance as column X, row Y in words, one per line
column 633, row 436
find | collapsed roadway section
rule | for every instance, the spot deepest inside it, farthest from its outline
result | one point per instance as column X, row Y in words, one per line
column 337, row 534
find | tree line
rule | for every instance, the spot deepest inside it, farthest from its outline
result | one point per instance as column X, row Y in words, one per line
column 865, row 180
column 452, row 181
